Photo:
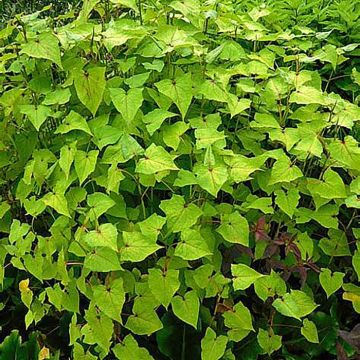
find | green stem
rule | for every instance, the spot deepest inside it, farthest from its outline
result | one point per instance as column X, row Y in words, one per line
column 183, row 347
column 142, row 201
column 140, row 12
column 206, row 25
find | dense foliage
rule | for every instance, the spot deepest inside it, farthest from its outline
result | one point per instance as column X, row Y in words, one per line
column 12, row 8
column 179, row 180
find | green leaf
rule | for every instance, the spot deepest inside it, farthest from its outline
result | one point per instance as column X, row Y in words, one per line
column 244, row 276
column 90, row 87
column 192, row 245
column 98, row 330
column 85, row 163
column 309, row 142
column 336, row 244
column 213, row 90
column 234, row 228
column 295, row 304
column 171, row 37
column 228, row 50
column 213, row 347
column 137, row 247
column 110, row 298
column 210, row 121
column 309, row 331
column 184, row 178
column 33, row 265
column 238, row 321
column 33, row 207
column 58, row 202
column 268, row 341
column 308, row 95
column 331, row 188
column 287, row 202
column 179, row 215
column 45, row 46
column 264, row 121
column 288, row 136
column 211, row 178
column 138, row 80
column 269, row 286
column 86, row 9
column 236, row 105
column 179, row 90
column 356, row 262
column 114, row 177
column 67, row 156
column 156, row 159
column 144, row 321
column 129, row 349
column 329, row 54
column 103, row 260
column 186, row 307
column 241, row 166
column 4, row 208
column 126, row 148
column 330, row 281
column 345, row 152
column 73, row 121
column 264, row 204
column 37, row 114
column 156, row 65
column 325, row 216
column 306, row 245
column 352, row 293
column 99, row 204
column 122, row 30
column 284, row 171
column 163, row 284
column 106, row 135
column 127, row 103
column 356, row 76
column 80, row 354
column 11, row 347
column 59, row 96
column 18, row 231
column 353, row 202
column 105, row 235
column 155, row 118
column 151, row 227
column 209, row 136
column 172, row 134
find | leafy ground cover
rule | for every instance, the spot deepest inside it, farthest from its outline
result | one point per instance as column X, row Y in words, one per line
column 180, row 180
column 10, row 8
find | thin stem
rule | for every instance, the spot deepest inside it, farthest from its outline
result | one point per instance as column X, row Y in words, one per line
column 142, row 200
column 140, row 12
column 74, row 263
column 206, row 25
column 328, row 82
column 183, row 347
column 286, row 325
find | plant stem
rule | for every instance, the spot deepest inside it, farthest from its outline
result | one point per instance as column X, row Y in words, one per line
column 140, row 12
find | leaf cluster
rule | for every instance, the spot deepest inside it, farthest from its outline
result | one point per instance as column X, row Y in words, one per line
column 180, row 180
